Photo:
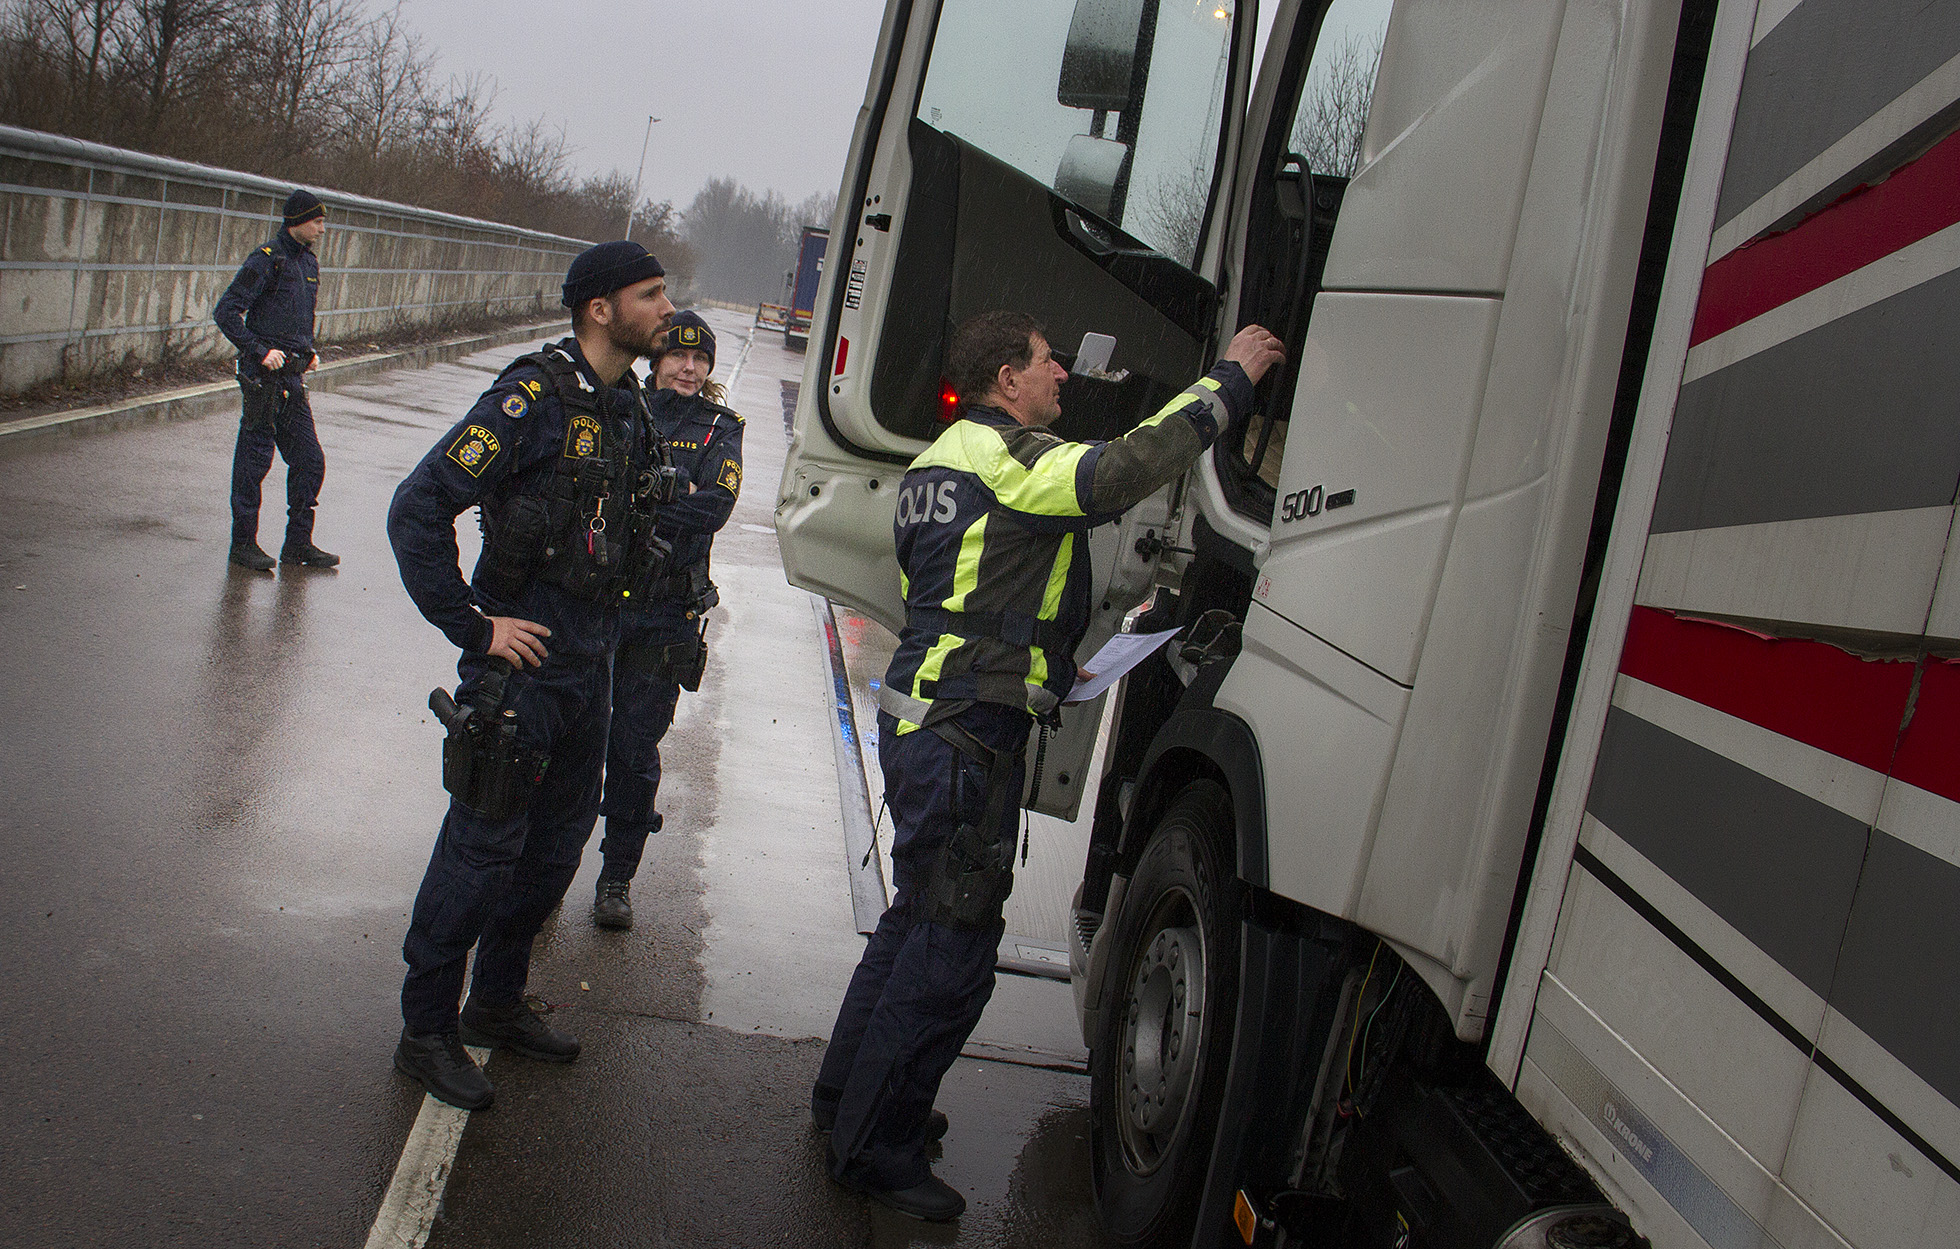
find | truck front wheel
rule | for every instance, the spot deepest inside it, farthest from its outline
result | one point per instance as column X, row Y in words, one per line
column 1157, row 1069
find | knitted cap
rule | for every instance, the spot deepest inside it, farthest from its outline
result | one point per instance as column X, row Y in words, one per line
column 603, row 269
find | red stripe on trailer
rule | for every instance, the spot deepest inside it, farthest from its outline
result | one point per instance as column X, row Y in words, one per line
column 1929, row 754
column 1810, row 691
column 1868, row 224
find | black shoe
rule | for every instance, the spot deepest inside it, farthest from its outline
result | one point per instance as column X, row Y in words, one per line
column 824, row 1115
column 611, row 909
column 248, row 555
column 518, row 1029
column 935, row 1201
column 305, row 553
column 439, row 1063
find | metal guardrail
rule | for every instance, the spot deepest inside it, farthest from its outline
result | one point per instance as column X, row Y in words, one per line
column 111, row 256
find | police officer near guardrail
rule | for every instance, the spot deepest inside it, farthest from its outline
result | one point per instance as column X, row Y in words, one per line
column 267, row 313
column 663, row 647
column 560, row 458
column 991, row 526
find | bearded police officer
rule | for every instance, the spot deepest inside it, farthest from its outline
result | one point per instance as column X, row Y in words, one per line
column 663, row 646
column 267, row 313
column 991, row 527
column 559, row 456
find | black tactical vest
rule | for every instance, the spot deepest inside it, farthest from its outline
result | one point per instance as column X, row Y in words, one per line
column 590, row 531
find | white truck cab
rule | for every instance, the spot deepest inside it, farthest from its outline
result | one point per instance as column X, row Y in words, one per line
column 1509, row 876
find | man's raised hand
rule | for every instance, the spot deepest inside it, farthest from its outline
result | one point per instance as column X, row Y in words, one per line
column 1255, row 349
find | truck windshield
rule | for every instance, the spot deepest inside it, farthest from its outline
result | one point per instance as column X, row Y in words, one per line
column 1139, row 153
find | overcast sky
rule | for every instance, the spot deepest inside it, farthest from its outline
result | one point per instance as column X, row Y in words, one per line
column 763, row 91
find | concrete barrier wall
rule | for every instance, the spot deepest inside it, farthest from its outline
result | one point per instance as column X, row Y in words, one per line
column 110, row 257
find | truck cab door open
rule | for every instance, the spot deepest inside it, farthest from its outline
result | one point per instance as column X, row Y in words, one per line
column 1059, row 161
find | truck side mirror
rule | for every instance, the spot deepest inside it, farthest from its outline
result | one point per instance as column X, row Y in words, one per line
column 1100, row 55
column 1090, row 171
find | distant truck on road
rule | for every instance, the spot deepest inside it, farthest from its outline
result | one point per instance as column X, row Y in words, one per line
column 803, row 287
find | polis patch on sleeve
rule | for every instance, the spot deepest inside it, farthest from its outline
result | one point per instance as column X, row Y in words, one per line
column 515, row 407
column 582, row 438
column 731, row 477
column 474, row 448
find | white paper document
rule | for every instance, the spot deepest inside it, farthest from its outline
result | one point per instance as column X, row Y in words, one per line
column 1117, row 656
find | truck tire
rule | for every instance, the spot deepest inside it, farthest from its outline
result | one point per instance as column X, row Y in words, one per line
column 1157, row 1068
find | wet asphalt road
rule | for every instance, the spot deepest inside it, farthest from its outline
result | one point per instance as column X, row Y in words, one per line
column 217, row 794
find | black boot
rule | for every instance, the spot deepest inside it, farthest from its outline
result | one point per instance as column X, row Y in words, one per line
column 612, row 908
column 248, row 555
column 439, row 1063
column 518, row 1029
column 935, row 1201
column 305, row 553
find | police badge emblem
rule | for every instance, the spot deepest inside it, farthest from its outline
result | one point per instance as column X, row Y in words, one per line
column 582, row 438
column 514, row 407
column 473, row 449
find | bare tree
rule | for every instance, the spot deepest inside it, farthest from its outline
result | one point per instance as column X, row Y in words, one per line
column 304, row 50
column 387, row 90
column 815, row 209
column 1334, row 106
column 86, row 35
column 1170, row 213
column 173, row 44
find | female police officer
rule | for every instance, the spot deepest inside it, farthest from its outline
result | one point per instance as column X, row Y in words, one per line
column 662, row 645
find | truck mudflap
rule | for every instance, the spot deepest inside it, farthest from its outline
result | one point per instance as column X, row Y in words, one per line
column 1290, row 989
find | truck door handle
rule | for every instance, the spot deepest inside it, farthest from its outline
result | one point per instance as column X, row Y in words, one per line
column 879, row 221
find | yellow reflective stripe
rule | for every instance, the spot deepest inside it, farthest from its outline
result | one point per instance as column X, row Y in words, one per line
column 934, row 662
column 1183, row 399
column 1037, row 667
column 1051, row 599
column 966, row 571
column 904, row 585
column 1047, row 489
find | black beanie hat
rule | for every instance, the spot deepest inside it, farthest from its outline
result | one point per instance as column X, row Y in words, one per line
column 303, row 206
column 603, row 269
column 691, row 332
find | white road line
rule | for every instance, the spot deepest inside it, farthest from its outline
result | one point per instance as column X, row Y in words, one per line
column 415, row 1194
column 741, row 363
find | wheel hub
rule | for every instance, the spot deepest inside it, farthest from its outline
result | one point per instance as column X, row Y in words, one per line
column 1164, row 1020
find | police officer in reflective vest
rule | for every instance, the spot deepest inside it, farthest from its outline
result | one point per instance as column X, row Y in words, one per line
column 267, row 313
column 559, row 457
column 991, row 526
column 663, row 645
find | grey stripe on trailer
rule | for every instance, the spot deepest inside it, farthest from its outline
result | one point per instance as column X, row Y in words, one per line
column 1899, row 978
column 1818, row 76
column 1854, row 416
column 1779, row 867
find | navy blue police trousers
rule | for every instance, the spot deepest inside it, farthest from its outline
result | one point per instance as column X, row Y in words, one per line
column 492, row 883
column 286, row 423
column 644, row 697
column 920, row 988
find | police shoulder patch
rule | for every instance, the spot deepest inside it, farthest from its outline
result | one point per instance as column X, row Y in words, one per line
column 583, row 438
column 473, row 449
column 730, row 478
column 515, row 407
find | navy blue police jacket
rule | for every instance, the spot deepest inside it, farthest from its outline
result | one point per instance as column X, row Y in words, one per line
column 260, row 311
column 705, row 441
column 508, row 444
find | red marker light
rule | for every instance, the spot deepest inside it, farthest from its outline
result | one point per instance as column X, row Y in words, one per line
column 843, row 350
column 949, row 403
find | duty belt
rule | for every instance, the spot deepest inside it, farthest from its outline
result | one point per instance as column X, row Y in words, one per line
column 1012, row 627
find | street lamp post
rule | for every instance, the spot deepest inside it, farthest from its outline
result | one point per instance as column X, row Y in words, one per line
column 634, row 206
